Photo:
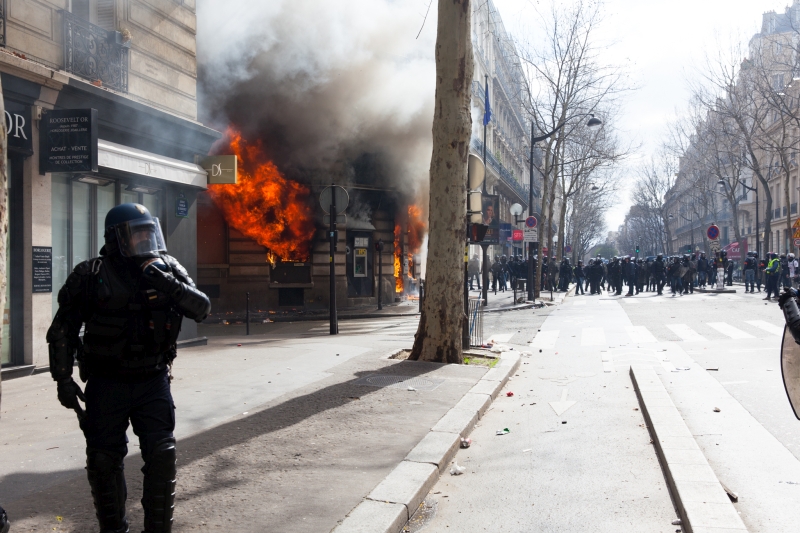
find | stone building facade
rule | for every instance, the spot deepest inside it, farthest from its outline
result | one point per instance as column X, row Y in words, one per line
column 134, row 62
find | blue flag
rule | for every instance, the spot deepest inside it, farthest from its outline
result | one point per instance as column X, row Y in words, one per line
column 487, row 112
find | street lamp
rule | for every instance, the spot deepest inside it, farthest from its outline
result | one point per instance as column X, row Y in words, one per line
column 535, row 273
column 724, row 183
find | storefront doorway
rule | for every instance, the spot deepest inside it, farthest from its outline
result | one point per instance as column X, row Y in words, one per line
column 11, row 347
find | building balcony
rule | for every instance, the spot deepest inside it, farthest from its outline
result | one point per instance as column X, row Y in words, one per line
column 505, row 176
column 95, row 54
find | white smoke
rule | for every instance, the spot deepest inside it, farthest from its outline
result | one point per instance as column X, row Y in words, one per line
column 323, row 82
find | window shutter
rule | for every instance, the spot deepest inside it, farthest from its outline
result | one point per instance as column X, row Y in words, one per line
column 105, row 15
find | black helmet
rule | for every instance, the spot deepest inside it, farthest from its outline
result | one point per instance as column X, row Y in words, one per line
column 131, row 229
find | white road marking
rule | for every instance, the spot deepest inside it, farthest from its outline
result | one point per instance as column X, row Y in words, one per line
column 545, row 339
column 685, row 332
column 730, row 331
column 563, row 405
column 766, row 326
column 629, row 301
column 593, row 337
column 640, row 334
column 580, row 303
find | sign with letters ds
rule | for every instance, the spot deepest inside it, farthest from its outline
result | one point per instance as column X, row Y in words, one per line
column 68, row 141
column 222, row 169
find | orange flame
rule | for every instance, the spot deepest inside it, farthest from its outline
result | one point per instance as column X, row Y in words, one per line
column 264, row 205
column 398, row 264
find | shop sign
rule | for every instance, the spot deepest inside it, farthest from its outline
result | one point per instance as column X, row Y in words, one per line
column 182, row 206
column 18, row 126
column 42, row 260
column 517, row 235
column 222, row 169
column 68, row 141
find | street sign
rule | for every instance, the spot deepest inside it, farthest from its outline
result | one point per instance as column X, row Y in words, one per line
column 714, row 245
column 797, row 242
column 796, row 224
column 531, row 222
column 567, row 249
column 530, row 234
column 327, row 195
column 713, row 232
column 517, row 235
column 796, row 234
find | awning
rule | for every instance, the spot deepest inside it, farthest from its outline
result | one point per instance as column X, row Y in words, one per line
column 127, row 159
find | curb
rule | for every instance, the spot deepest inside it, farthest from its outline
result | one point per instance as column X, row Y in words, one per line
column 394, row 501
column 699, row 498
column 715, row 291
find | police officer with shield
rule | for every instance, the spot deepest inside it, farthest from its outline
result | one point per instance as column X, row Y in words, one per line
column 131, row 300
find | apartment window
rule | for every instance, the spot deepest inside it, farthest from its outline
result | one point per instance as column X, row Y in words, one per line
column 777, row 82
column 98, row 12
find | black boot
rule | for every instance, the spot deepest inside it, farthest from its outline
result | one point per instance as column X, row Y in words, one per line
column 158, row 489
column 107, row 480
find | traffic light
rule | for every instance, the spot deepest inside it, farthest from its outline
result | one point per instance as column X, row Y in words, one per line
column 688, row 248
column 637, row 248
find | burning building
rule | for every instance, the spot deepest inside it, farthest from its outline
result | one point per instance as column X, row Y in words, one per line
column 302, row 114
column 267, row 235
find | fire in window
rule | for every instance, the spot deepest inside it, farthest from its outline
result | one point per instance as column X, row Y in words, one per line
column 360, row 263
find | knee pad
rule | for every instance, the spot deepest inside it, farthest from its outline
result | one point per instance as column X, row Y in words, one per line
column 102, row 462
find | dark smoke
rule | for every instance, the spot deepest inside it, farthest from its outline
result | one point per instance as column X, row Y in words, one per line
column 335, row 89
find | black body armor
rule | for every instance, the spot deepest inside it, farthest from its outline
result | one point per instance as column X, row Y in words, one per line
column 131, row 328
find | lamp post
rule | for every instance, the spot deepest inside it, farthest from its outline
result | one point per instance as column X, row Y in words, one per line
column 535, row 273
column 724, row 183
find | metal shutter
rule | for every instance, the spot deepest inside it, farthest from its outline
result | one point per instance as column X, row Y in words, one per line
column 105, row 14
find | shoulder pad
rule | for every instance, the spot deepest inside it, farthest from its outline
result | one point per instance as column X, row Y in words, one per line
column 84, row 268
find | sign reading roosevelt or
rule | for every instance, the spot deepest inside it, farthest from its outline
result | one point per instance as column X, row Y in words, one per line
column 42, row 269
column 68, row 141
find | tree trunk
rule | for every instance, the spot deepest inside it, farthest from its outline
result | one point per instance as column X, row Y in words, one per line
column 3, row 218
column 438, row 337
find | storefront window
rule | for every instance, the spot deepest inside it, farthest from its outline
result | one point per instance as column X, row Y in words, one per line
column 105, row 201
column 79, row 212
column 10, row 349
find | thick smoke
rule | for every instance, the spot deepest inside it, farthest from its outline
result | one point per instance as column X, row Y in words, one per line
column 333, row 88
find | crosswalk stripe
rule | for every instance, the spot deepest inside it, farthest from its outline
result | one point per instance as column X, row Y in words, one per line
column 730, row 331
column 685, row 332
column 640, row 334
column 766, row 326
column 545, row 339
column 630, row 301
column 593, row 337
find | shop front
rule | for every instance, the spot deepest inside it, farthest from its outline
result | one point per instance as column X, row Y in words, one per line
column 56, row 218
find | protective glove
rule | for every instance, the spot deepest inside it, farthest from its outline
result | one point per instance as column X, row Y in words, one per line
column 69, row 392
column 159, row 279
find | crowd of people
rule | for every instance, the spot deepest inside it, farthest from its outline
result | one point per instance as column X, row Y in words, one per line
column 680, row 274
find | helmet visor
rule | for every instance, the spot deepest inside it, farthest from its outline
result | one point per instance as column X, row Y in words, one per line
column 140, row 238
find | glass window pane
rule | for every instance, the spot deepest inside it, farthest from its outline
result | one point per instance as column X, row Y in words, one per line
column 152, row 203
column 60, row 234
column 129, row 197
column 81, row 222
column 105, row 201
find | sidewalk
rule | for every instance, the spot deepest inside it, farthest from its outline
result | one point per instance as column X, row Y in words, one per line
column 277, row 432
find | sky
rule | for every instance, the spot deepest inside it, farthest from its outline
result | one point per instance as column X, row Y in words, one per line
column 661, row 45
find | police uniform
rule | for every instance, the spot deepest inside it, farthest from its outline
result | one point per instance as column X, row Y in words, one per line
column 131, row 300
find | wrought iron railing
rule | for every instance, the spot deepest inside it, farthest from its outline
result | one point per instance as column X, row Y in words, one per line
column 505, row 176
column 94, row 54
column 2, row 22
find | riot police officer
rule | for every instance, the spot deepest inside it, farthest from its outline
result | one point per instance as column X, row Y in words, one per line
column 132, row 300
column 658, row 270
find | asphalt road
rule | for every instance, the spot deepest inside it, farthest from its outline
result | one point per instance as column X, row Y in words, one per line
column 598, row 472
